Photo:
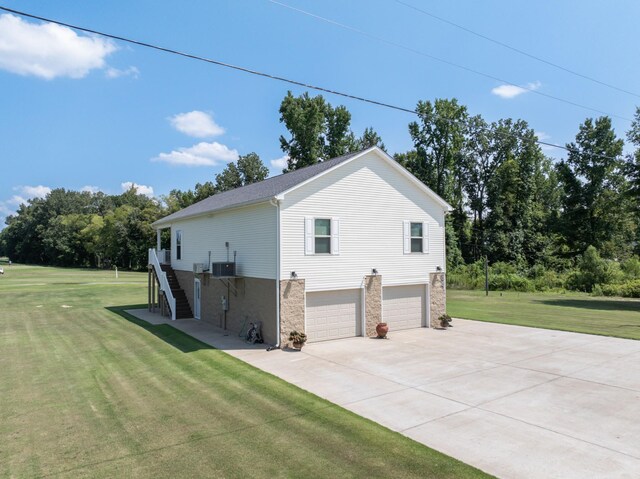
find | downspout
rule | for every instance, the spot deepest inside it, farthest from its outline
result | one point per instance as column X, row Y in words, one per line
column 275, row 202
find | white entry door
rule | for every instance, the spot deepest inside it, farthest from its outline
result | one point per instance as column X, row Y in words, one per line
column 196, row 298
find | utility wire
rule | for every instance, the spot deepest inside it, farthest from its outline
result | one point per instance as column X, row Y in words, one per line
column 517, row 50
column 442, row 60
column 265, row 75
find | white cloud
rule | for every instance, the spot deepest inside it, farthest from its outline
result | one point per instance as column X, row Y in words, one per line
column 33, row 191
column 280, row 163
column 512, row 91
column 48, row 50
column 197, row 124
column 8, row 207
column 140, row 189
column 90, row 188
column 17, row 200
column 202, row 154
column 127, row 72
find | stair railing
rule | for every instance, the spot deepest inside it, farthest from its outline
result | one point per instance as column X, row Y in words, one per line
column 164, row 282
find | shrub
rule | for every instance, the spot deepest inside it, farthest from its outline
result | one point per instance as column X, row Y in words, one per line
column 510, row 281
column 592, row 270
column 631, row 268
column 630, row 289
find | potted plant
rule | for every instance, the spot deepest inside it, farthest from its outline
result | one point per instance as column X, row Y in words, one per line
column 298, row 339
column 445, row 320
column 381, row 330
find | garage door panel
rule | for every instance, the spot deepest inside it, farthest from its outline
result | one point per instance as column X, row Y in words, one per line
column 333, row 314
column 404, row 306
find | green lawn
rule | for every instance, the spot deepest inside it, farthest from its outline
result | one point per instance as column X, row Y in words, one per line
column 86, row 391
column 569, row 312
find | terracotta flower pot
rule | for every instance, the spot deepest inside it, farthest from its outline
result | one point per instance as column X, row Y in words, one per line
column 298, row 345
column 382, row 329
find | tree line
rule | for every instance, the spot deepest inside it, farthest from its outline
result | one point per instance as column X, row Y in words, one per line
column 526, row 213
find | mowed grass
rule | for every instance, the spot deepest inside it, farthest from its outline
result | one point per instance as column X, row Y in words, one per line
column 86, row 391
column 577, row 312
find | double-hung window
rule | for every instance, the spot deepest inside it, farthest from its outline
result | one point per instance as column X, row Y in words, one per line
column 416, row 237
column 322, row 236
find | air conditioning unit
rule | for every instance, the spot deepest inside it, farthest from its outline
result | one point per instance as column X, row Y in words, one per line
column 223, row 269
column 198, row 268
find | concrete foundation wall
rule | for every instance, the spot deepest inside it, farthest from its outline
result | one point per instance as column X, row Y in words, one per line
column 254, row 300
column 292, row 307
column 438, row 305
column 372, row 304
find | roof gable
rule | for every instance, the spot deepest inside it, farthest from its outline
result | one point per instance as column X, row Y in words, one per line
column 278, row 186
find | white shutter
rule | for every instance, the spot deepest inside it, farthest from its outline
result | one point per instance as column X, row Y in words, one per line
column 309, row 236
column 335, row 235
column 425, row 237
column 407, row 236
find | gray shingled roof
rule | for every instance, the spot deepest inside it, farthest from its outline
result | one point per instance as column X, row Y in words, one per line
column 256, row 192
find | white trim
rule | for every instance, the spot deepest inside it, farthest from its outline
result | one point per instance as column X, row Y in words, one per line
column 363, row 310
column 277, row 205
column 428, row 299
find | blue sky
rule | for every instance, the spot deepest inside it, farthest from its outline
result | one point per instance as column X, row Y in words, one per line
column 83, row 112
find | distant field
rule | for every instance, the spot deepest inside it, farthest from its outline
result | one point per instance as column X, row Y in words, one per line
column 87, row 391
column 577, row 312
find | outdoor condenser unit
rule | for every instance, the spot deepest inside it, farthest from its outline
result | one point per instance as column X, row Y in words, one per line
column 223, row 269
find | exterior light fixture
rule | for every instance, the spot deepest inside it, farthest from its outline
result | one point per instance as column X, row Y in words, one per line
column 438, row 268
column 374, row 272
column 294, row 275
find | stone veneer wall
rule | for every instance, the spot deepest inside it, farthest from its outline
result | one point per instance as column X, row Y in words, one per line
column 372, row 304
column 255, row 300
column 291, row 308
column 438, row 305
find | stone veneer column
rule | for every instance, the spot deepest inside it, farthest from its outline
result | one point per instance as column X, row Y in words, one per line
column 438, row 305
column 291, row 309
column 372, row 303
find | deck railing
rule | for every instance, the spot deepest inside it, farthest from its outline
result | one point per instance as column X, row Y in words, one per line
column 164, row 282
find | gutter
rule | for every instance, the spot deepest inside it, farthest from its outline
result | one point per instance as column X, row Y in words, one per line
column 275, row 201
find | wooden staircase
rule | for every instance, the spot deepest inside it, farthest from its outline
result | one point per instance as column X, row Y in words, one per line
column 183, row 310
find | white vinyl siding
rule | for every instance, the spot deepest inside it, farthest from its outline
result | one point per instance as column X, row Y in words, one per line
column 250, row 231
column 371, row 199
column 333, row 314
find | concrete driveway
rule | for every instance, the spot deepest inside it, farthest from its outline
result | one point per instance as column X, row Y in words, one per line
column 513, row 401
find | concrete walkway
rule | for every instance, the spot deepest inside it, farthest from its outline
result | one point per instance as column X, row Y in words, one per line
column 513, row 401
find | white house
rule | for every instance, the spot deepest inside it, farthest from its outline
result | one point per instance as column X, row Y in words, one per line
column 331, row 249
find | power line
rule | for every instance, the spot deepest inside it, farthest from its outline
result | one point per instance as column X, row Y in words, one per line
column 261, row 74
column 517, row 50
column 446, row 62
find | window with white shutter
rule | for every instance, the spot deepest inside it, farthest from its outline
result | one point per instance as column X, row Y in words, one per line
column 322, row 236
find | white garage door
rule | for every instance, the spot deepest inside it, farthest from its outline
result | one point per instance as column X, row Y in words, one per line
column 403, row 306
column 333, row 314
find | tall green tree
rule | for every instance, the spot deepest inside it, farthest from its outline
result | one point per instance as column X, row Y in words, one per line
column 632, row 170
column 368, row 139
column 510, row 228
column 595, row 209
column 249, row 169
column 317, row 130
column 438, row 137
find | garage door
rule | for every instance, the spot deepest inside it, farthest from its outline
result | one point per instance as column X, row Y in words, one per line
column 333, row 314
column 403, row 306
